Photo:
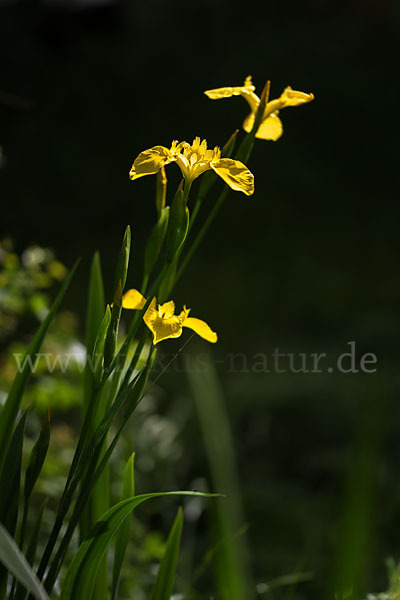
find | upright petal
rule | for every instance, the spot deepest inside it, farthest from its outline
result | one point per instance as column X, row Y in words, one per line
column 150, row 161
column 167, row 309
column 201, row 328
column 133, row 300
column 235, row 174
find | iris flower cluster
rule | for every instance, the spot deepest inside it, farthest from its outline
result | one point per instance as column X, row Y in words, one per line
column 194, row 160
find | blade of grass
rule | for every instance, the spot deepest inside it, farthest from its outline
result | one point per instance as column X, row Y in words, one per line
column 15, row 562
column 10, row 481
column 10, row 484
column 80, row 576
column 34, row 467
column 232, row 569
column 165, row 579
column 94, row 316
column 20, row 592
column 122, row 537
column 99, row 500
column 355, row 539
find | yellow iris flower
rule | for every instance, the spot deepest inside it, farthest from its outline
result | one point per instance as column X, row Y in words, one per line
column 193, row 160
column 162, row 320
column 271, row 126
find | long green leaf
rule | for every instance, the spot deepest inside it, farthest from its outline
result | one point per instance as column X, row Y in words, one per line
column 98, row 351
column 96, row 304
column 95, row 310
column 122, row 537
column 15, row 562
column 99, row 500
column 10, row 481
column 86, row 466
column 20, row 592
column 121, row 270
column 10, row 484
column 37, row 457
column 82, row 572
column 94, row 317
column 232, row 567
column 165, row 579
column 12, row 404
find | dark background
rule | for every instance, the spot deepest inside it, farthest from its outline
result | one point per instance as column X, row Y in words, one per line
column 307, row 264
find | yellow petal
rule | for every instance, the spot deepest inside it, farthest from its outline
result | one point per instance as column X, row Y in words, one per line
column 249, row 122
column 151, row 314
column 162, row 328
column 288, row 97
column 167, row 309
column 201, row 328
column 270, row 129
column 291, row 97
column 235, row 174
column 166, row 329
column 133, row 300
column 224, row 92
column 246, row 90
column 150, row 162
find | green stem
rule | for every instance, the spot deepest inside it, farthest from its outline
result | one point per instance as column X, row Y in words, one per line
column 134, row 360
column 195, row 211
column 206, row 225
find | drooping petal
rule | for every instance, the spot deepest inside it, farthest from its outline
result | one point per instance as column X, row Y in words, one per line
column 246, row 90
column 201, row 328
column 224, row 92
column 288, row 97
column 235, row 174
column 133, row 300
column 291, row 97
column 150, row 161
